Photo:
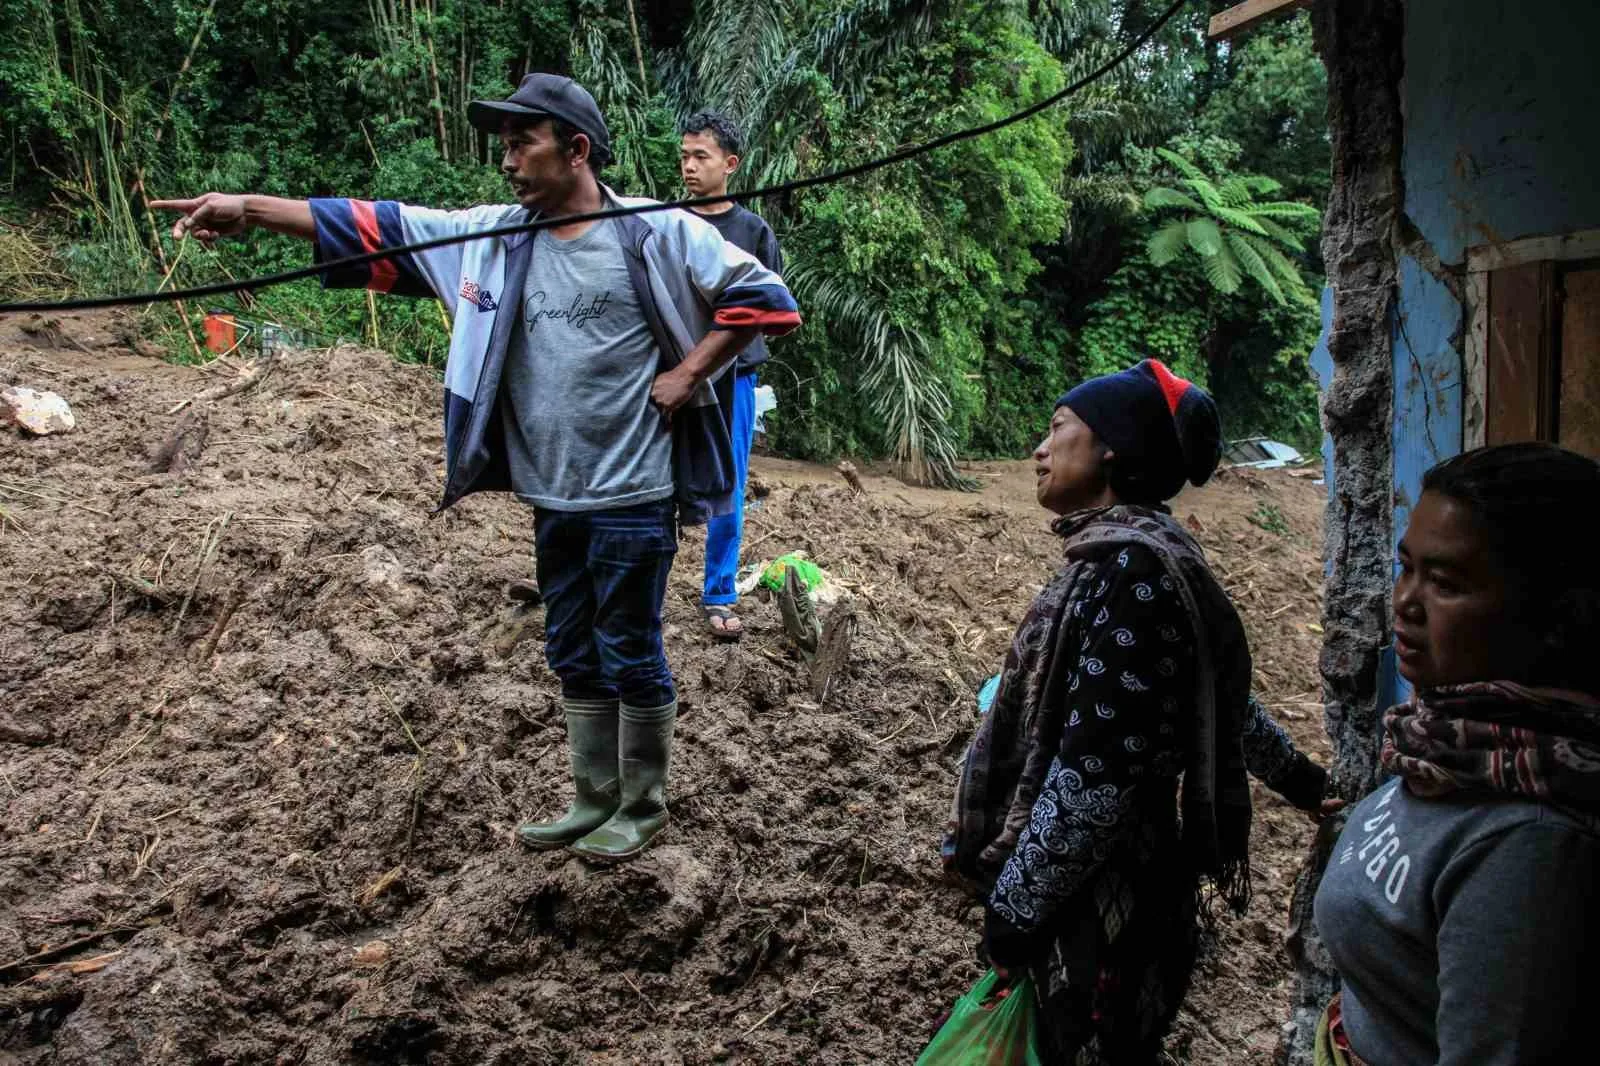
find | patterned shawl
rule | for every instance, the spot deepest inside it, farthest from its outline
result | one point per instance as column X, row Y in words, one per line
column 1018, row 739
column 1497, row 736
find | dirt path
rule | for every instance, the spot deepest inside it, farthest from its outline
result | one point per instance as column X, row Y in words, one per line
column 286, row 837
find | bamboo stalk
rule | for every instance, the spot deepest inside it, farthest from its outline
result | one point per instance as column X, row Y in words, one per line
column 426, row 31
column 638, row 50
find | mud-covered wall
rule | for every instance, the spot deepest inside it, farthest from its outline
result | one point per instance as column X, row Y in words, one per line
column 1454, row 125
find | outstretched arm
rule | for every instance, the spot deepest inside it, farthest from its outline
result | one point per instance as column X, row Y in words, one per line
column 218, row 214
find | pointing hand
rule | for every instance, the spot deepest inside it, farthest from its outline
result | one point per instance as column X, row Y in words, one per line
column 206, row 217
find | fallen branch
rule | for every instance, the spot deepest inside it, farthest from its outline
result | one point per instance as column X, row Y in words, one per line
column 639, row 991
column 229, row 605
column 133, row 925
column 247, row 380
column 208, row 551
column 18, row 490
column 367, row 896
column 417, row 768
column 903, row 727
column 138, row 586
column 765, row 1018
column 63, row 949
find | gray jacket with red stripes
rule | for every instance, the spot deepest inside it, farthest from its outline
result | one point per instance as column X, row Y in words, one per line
column 688, row 280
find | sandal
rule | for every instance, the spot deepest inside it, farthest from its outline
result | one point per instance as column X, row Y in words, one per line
column 723, row 623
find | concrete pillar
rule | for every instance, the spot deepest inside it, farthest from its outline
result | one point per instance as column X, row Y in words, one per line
column 1361, row 43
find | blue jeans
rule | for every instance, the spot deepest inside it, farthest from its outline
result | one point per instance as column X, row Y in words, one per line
column 724, row 532
column 604, row 576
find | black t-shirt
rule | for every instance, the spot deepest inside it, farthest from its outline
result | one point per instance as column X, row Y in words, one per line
column 747, row 230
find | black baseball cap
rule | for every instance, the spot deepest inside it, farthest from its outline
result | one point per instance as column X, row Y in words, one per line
column 547, row 95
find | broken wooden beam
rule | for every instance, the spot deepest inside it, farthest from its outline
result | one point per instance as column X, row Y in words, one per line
column 1241, row 17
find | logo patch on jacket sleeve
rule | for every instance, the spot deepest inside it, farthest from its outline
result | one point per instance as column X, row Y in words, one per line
column 480, row 298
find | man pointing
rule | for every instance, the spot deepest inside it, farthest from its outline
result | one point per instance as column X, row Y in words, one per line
column 578, row 378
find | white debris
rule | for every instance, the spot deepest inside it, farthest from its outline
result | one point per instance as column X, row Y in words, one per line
column 39, row 413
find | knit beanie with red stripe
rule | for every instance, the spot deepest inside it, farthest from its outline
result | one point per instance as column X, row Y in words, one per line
column 1161, row 429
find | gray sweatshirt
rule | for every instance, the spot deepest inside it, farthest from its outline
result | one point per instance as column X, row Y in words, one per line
column 1458, row 926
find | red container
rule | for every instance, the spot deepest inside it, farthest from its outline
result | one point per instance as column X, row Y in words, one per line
column 220, row 334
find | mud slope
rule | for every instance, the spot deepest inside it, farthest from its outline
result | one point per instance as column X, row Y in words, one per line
column 266, row 728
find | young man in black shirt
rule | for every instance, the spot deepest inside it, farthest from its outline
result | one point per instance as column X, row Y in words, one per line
column 711, row 147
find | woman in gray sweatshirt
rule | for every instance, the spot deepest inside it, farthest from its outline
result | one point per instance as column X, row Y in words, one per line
column 1459, row 902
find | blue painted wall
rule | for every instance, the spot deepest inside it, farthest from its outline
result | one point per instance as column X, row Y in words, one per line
column 1502, row 120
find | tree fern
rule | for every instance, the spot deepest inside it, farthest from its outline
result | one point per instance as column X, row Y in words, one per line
column 1168, row 242
column 1239, row 218
column 1205, row 236
column 1283, row 269
column 1234, row 235
column 1222, row 270
column 1254, row 265
column 1283, row 235
column 1159, row 197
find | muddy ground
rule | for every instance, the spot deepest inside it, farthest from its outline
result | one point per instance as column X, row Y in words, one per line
column 266, row 728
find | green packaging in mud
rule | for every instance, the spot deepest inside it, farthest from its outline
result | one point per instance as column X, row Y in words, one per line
column 810, row 574
column 989, row 1027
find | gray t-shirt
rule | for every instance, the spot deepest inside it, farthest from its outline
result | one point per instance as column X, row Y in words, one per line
column 1459, row 926
column 581, row 432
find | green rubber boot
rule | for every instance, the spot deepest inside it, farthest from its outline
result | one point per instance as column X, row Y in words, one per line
column 646, row 750
column 592, row 743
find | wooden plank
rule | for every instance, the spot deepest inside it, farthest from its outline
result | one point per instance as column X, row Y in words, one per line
column 1241, row 17
column 1518, row 358
column 1584, row 244
column 1578, row 423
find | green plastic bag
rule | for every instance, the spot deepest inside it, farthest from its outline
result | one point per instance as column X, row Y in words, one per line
column 809, row 573
column 983, row 1031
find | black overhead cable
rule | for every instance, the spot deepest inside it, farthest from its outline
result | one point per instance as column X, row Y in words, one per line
column 268, row 280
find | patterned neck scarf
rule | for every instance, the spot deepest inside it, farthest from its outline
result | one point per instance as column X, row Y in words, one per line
column 1497, row 736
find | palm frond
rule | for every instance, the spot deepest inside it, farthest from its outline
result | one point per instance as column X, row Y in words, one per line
column 859, row 37
column 598, row 64
column 1107, row 193
column 899, row 382
column 735, row 47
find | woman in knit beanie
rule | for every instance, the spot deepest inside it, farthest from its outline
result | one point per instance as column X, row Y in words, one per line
column 1129, row 673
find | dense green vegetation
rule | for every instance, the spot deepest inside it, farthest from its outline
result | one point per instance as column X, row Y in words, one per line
column 949, row 301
